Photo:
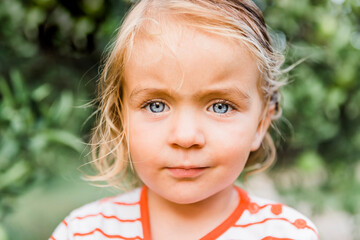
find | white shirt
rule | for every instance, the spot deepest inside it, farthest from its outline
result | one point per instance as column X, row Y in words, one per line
column 126, row 217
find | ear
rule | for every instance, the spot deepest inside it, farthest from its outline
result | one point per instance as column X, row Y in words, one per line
column 263, row 126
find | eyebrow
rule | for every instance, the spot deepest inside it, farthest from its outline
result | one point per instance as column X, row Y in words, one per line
column 233, row 93
column 150, row 91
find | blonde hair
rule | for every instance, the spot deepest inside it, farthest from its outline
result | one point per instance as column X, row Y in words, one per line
column 240, row 20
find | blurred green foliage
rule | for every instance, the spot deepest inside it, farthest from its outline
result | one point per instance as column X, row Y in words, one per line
column 29, row 126
column 49, row 59
column 49, row 52
column 322, row 101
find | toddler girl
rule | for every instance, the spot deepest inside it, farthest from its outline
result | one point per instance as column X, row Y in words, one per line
column 187, row 95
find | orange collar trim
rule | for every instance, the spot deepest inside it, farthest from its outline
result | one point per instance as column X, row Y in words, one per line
column 215, row 233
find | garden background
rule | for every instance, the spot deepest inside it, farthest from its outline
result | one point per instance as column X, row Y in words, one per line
column 50, row 53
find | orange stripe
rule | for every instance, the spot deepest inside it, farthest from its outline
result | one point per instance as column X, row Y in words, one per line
column 269, row 219
column 275, row 238
column 126, row 204
column 232, row 219
column 65, row 223
column 106, row 235
column 52, row 238
column 273, row 205
column 263, row 206
column 108, row 217
column 144, row 212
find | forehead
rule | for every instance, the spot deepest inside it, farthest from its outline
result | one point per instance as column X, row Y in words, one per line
column 173, row 49
column 176, row 37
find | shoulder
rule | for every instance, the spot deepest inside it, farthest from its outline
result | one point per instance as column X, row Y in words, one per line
column 109, row 216
column 125, row 204
column 266, row 219
column 264, row 209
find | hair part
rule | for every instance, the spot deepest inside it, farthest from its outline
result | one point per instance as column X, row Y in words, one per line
column 240, row 20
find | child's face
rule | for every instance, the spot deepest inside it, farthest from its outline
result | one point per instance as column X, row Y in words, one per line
column 192, row 113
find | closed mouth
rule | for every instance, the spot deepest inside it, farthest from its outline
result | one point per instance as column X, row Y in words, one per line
column 186, row 172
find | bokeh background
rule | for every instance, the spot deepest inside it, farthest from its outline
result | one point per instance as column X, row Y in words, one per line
column 50, row 54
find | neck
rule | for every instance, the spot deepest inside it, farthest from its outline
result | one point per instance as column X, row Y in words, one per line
column 227, row 198
column 200, row 217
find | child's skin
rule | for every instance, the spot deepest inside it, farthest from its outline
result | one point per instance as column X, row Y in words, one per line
column 209, row 115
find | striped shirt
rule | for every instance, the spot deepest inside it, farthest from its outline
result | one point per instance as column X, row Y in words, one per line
column 126, row 217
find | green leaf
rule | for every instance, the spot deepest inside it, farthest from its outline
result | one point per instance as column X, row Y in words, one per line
column 19, row 88
column 6, row 92
column 41, row 92
column 309, row 161
column 14, row 174
column 61, row 110
column 64, row 138
column 3, row 234
column 9, row 149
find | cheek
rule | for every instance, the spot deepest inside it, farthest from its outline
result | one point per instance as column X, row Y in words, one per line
column 233, row 135
column 144, row 139
column 231, row 144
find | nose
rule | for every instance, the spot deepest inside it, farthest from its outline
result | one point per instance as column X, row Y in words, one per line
column 186, row 130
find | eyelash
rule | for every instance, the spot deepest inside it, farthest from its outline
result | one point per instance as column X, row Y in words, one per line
column 230, row 104
column 147, row 103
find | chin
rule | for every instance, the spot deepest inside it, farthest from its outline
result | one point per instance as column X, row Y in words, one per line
column 184, row 200
column 186, row 197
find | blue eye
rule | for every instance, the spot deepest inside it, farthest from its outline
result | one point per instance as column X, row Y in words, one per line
column 157, row 107
column 220, row 108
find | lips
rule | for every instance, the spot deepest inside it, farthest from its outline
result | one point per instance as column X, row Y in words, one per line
column 186, row 172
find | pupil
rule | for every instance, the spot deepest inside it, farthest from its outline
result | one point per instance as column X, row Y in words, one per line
column 157, row 107
column 220, row 108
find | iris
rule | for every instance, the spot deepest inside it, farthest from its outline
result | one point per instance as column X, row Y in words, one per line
column 157, row 107
column 220, row 108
